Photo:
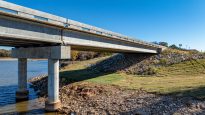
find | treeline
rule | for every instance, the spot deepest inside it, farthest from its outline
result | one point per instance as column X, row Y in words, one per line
column 86, row 55
column 177, row 47
column 5, row 53
column 170, row 46
column 173, row 46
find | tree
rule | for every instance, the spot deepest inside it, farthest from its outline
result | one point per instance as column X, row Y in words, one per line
column 173, row 46
column 155, row 42
column 164, row 44
column 180, row 45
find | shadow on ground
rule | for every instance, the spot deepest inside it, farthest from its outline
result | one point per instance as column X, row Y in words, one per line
column 115, row 63
column 108, row 66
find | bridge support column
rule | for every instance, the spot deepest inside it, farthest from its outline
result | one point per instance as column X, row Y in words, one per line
column 53, row 54
column 53, row 102
column 22, row 92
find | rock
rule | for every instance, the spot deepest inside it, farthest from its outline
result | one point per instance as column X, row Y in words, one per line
column 202, row 106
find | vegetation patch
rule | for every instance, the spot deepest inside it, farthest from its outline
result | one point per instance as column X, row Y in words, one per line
column 87, row 90
column 145, row 64
column 179, row 78
column 5, row 53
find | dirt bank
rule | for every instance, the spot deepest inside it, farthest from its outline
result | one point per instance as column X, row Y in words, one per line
column 89, row 98
column 145, row 64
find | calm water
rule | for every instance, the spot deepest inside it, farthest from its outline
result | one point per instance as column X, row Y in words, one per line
column 8, row 86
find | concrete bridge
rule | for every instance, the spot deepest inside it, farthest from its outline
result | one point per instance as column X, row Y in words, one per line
column 36, row 34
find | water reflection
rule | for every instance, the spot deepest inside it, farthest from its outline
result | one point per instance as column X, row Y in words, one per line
column 8, row 104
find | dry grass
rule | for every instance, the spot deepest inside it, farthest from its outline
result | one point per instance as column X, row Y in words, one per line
column 83, row 64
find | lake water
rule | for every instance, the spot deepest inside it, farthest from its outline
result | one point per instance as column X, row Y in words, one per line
column 8, row 86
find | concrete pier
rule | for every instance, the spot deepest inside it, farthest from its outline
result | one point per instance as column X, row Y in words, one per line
column 22, row 92
column 53, row 102
column 53, row 54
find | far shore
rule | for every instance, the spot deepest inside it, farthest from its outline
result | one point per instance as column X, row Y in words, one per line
column 14, row 59
column 7, row 59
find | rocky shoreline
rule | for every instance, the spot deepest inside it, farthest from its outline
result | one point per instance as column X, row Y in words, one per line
column 89, row 98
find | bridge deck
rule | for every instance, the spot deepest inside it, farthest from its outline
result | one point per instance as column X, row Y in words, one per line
column 23, row 27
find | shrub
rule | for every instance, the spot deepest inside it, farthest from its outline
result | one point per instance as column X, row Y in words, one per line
column 151, row 70
column 86, row 55
column 83, row 55
column 163, row 61
column 5, row 53
column 74, row 55
column 101, row 54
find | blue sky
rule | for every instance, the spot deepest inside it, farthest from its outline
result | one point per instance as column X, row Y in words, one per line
column 174, row 21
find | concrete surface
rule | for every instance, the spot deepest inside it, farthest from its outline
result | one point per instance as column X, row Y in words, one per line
column 25, row 27
column 53, row 101
column 22, row 92
column 51, row 52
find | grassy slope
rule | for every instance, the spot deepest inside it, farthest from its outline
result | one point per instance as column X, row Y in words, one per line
column 186, row 78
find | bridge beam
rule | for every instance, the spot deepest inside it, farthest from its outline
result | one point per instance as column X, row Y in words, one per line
column 53, row 54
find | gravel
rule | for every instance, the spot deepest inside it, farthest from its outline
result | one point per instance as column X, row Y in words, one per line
column 88, row 98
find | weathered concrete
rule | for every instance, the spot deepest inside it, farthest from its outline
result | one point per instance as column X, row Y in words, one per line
column 79, row 39
column 22, row 92
column 53, row 102
column 51, row 52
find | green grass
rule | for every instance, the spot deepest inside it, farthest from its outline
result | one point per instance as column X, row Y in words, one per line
column 194, row 67
column 107, row 79
column 186, row 79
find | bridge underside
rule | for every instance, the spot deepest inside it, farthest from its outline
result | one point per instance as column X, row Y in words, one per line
column 22, row 33
column 29, row 43
column 21, row 43
column 12, row 42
